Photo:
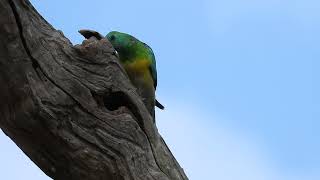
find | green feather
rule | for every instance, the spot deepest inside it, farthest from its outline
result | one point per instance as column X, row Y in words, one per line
column 153, row 66
column 130, row 49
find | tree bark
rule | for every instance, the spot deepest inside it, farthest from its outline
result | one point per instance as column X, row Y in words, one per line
column 72, row 109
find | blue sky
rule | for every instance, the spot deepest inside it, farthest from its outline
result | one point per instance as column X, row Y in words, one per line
column 238, row 79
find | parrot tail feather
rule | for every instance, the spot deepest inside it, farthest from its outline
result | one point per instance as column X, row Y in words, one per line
column 159, row 105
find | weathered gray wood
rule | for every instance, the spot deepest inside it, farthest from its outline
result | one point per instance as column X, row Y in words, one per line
column 72, row 109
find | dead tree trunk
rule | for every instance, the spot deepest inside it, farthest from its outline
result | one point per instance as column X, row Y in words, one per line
column 72, row 109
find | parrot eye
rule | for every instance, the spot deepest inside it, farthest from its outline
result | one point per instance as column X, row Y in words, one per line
column 112, row 37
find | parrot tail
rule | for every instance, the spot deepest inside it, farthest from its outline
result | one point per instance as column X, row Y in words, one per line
column 159, row 105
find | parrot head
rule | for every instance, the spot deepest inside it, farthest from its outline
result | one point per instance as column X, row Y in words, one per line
column 121, row 42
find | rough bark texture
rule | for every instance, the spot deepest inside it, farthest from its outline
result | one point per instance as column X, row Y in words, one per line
column 72, row 109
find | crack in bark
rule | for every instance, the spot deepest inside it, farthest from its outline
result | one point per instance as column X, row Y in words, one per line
column 35, row 64
column 34, row 61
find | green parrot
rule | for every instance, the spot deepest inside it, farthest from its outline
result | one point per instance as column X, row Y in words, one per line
column 138, row 60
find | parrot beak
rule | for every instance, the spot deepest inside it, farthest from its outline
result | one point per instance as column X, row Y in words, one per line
column 116, row 54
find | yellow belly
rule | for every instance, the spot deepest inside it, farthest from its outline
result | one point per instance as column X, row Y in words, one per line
column 140, row 76
column 139, row 71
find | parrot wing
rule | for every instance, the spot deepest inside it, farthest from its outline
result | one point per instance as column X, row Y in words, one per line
column 153, row 72
column 153, row 66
